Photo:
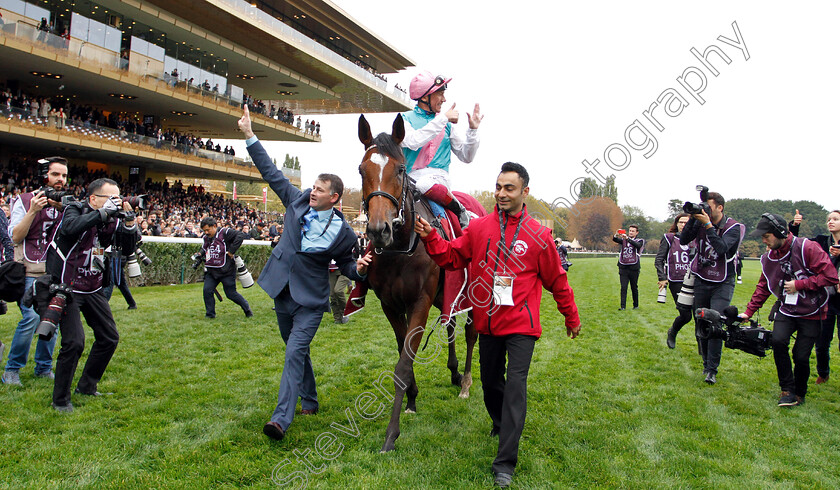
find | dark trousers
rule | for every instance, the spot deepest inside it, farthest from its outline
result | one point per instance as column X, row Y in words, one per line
column 229, row 285
column 506, row 396
column 684, row 315
column 824, row 344
column 714, row 295
column 298, row 326
column 629, row 274
column 123, row 287
column 794, row 380
column 98, row 317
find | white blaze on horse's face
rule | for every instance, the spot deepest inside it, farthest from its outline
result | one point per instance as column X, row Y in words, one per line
column 382, row 161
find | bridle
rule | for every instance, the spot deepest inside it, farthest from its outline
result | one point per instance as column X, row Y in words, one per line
column 406, row 199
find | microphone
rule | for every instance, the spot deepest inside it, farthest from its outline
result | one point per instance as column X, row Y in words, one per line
column 730, row 312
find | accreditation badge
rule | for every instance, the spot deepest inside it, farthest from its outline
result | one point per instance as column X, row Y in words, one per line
column 502, row 290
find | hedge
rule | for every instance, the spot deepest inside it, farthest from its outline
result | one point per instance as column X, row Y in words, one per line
column 171, row 262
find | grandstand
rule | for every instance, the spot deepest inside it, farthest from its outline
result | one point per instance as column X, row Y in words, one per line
column 139, row 88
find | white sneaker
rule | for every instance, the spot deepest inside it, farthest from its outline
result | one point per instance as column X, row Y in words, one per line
column 11, row 378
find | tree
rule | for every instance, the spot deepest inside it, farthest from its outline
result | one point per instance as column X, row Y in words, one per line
column 595, row 223
column 751, row 248
column 635, row 216
column 590, row 188
column 674, row 208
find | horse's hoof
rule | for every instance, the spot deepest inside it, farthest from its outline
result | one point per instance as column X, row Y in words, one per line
column 408, row 410
column 387, row 447
column 456, row 380
column 464, row 395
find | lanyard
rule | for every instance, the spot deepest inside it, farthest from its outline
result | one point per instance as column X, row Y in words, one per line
column 503, row 243
column 332, row 213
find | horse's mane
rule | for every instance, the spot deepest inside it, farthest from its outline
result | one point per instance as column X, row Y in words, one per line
column 387, row 146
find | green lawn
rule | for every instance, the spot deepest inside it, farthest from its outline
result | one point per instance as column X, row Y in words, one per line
column 613, row 408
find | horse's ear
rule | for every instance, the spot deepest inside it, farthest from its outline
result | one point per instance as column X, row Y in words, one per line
column 398, row 130
column 364, row 132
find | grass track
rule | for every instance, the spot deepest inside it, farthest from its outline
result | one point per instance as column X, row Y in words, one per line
column 613, row 408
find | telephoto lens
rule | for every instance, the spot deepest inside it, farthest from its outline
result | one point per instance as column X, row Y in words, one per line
column 662, row 295
column 52, row 316
column 143, row 257
column 242, row 273
column 686, row 297
column 133, row 267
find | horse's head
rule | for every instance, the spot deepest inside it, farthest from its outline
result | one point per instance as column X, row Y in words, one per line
column 384, row 182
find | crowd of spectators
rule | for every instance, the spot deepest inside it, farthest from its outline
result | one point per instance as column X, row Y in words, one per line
column 172, row 210
column 58, row 112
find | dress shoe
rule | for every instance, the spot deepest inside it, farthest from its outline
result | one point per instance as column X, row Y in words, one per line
column 710, row 378
column 671, row 341
column 63, row 408
column 274, row 431
column 209, row 317
column 621, row 309
column 822, row 379
column 132, row 307
column 503, row 479
column 249, row 313
column 307, row 411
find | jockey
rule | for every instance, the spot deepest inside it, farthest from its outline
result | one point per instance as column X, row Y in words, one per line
column 429, row 138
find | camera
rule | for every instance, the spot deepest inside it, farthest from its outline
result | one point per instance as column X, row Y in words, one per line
column 52, row 194
column 59, row 296
column 729, row 328
column 697, row 208
column 143, row 257
column 197, row 259
column 136, row 202
column 242, row 273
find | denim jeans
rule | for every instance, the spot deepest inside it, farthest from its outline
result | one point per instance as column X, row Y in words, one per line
column 22, row 341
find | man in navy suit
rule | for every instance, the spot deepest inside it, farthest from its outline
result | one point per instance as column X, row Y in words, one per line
column 297, row 275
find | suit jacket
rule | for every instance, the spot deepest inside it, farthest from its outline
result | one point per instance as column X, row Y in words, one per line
column 305, row 273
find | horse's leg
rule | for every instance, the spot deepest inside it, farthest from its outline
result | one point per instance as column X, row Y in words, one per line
column 471, row 335
column 404, row 381
column 452, row 362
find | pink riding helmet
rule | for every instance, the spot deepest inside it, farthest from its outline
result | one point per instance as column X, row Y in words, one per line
column 424, row 83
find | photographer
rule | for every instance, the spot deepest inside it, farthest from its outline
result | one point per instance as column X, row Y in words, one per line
column 831, row 245
column 716, row 238
column 220, row 246
column 628, row 263
column 76, row 258
column 797, row 271
column 33, row 222
column 672, row 262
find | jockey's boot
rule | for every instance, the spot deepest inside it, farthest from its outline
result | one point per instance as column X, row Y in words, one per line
column 441, row 195
column 460, row 211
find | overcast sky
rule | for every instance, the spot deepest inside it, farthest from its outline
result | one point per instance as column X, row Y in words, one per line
column 560, row 82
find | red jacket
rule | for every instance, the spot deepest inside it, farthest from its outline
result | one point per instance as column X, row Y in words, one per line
column 533, row 263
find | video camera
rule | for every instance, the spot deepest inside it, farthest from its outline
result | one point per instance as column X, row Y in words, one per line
column 729, row 328
column 697, row 208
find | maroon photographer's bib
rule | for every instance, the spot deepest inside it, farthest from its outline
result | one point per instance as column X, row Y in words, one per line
column 677, row 263
column 629, row 254
column 803, row 303
column 215, row 250
column 706, row 264
column 41, row 231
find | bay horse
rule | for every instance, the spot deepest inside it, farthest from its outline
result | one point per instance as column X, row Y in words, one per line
column 403, row 276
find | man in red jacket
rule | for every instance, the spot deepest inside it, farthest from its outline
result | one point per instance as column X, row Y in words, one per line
column 796, row 271
column 510, row 258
